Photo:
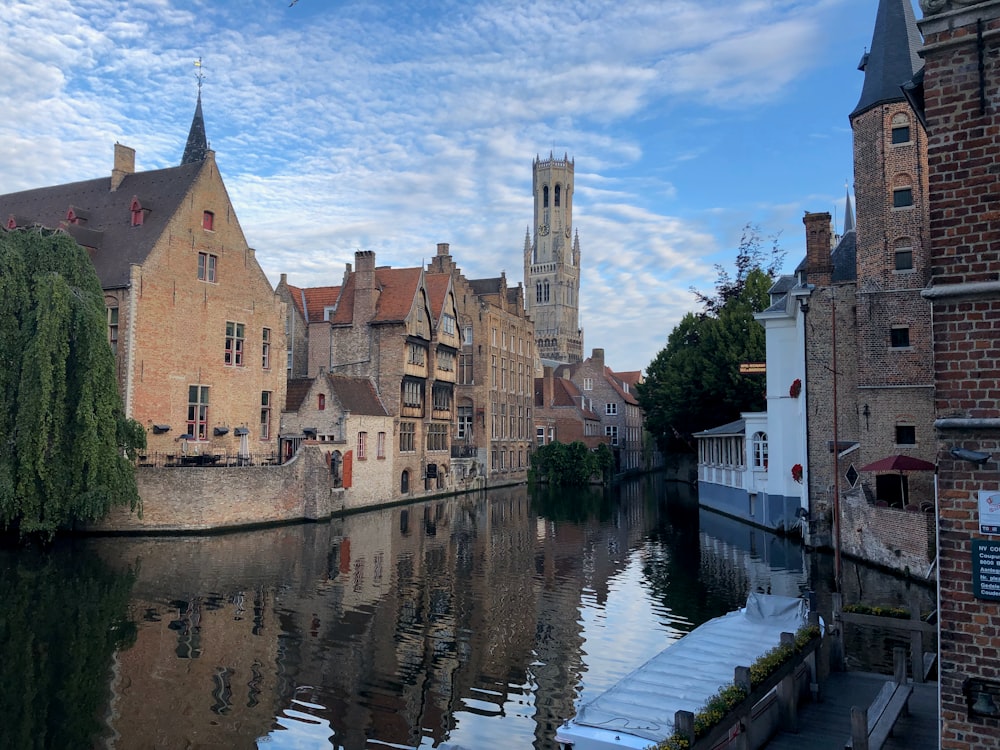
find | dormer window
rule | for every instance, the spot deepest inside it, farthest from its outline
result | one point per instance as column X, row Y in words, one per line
column 137, row 213
column 208, row 221
column 76, row 216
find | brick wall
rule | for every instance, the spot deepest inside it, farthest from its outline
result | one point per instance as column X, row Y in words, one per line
column 892, row 537
column 964, row 197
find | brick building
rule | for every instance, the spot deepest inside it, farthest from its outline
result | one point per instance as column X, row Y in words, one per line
column 563, row 414
column 194, row 323
column 961, row 109
column 399, row 328
column 496, row 360
column 612, row 400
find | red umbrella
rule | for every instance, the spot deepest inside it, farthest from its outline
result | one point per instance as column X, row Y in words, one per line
column 899, row 463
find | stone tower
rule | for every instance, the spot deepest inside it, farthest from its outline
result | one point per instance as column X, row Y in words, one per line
column 894, row 345
column 552, row 263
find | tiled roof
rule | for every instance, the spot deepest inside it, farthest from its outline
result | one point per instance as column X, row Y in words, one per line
column 357, row 395
column 297, row 298
column 399, row 288
column 318, row 298
column 108, row 230
column 626, row 396
column 437, row 285
column 295, row 391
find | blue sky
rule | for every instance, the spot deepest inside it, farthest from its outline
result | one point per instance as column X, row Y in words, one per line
column 391, row 126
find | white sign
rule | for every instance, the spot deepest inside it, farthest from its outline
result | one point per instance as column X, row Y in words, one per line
column 989, row 512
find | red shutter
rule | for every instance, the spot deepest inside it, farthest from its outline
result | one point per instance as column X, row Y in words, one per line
column 348, row 465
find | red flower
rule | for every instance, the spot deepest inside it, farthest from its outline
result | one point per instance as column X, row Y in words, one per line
column 796, row 388
column 797, row 472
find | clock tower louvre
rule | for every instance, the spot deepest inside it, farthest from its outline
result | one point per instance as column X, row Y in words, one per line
column 552, row 263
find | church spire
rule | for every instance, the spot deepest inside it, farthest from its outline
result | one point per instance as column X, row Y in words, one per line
column 197, row 144
column 893, row 59
column 848, row 213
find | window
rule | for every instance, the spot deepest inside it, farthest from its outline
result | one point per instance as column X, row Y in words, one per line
column 902, row 197
column 288, row 359
column 540, row 435
column 588, row 384
column 445, row 360
column 362, row 446
column 206, row 267
column 901, row 134
column 265, row 349
column 113, row 329
column 906, row 434
column 611, row 409
column 208, row 221
column 404, row 482
column 558, row 191
column 234, row 344
column 545, row 197
column 611, row 431
column 380, row 445
column 464, row 427
column 413, row 394
column 904, row 259
column 137, row 213
column 197, row 416
column 441, row 397
column 465, row 376
column 545, row 291
column 407, row 435
column 415, row 354
column 448, row 323
column 493, row 368
column 538, row 291
column 758, row 445
column 437, row 437
column 467, row 338
column 321, row 402
column 265, row 415
column 899, row 337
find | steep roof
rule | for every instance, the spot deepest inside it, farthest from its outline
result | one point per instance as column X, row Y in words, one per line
column 437, row 285
column 196, row 148
column 624, row 395
column 108, row 230
column 844, row 259
column 318, row 298
column 357, row 395
column 295, row 392
column 893, row 59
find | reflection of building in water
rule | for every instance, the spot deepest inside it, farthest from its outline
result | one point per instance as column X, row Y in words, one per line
column 746, row 558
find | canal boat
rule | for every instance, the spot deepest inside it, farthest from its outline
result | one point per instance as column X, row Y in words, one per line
column 638, row 711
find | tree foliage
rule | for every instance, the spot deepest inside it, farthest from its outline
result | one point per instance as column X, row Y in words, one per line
column 66, row 444
column 694, row 382
column 571, row 463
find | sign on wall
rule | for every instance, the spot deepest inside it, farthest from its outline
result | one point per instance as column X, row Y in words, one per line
column 989, row 512
column 986, row 569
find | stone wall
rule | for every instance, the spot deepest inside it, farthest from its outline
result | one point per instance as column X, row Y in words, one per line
column 894, row 538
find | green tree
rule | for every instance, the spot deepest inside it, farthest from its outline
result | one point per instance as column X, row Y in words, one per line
column 570, row 463
column 67, row 448
column 694, row 382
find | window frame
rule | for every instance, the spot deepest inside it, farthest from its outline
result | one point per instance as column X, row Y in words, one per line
column 197, row 414
column 208, row 265
column 265, row 415
column 235, row 344
column 899, row 337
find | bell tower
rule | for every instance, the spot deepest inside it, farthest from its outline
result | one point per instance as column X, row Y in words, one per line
column 552, row 263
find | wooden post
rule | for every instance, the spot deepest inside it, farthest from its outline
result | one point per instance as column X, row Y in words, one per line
column 819, row 660
column 837, row 633
column 859, row 728
column 741, row 678
column 916, row 642
column 787, row 698
column 684, row 725
column 899, row 665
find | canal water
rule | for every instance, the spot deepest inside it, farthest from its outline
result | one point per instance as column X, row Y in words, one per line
column 478, row 621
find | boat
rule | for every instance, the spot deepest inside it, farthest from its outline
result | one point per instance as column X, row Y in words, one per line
column 638, row 711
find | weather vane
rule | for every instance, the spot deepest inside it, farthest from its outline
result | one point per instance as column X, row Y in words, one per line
column 200, row 76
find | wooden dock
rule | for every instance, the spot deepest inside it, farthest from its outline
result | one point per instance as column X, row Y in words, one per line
column 826, row 725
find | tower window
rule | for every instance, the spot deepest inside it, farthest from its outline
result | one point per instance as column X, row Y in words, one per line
column 902, row 197
column 906, row 434
column 904, row 258
column 208, row 221
column 901, row 134
column 545, row 197
column 558, row 191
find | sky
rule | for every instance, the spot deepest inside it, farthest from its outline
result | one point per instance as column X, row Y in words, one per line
column 391, row 126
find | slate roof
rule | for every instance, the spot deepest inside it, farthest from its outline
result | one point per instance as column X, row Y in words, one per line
column 108, row 230
column 893, row 59
column 196, row 148
column 739, row 427
column 357, row 395
column 845, row 267
column 485, row 286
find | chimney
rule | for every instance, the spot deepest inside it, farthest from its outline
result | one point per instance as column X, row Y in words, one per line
column 443, row 248
column 548, row 387
column 124, row 165
column 364, row 286
column 598, row 358
column 819, row 247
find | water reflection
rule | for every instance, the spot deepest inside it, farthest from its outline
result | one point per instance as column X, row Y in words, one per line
column 476, row 621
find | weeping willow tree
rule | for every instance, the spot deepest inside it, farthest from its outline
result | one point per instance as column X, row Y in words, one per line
column 67, row 449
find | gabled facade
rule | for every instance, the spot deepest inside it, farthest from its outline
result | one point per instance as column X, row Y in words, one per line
column 494, row 384
column 196, row 327
column 565, row 415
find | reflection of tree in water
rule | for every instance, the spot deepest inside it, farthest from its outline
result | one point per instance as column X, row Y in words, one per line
column 64, row 615
column 573, row 504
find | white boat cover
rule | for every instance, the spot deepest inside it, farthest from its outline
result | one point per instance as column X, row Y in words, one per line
column 687, row 673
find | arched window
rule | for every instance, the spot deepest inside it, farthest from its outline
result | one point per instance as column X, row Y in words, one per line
column 900, row 128
column 404, row 481
column 558, row 191
column 538, row 291
column 545, row 197
column 546, row 294
column 759, row 446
